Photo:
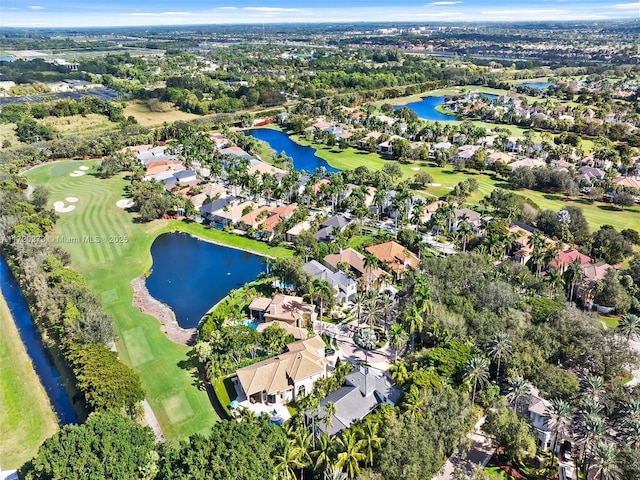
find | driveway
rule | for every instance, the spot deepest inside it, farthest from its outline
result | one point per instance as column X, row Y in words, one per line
column 380, row 359
column 480, row 453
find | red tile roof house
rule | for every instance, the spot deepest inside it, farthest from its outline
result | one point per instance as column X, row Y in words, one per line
column 395, row 256
column 566, row 258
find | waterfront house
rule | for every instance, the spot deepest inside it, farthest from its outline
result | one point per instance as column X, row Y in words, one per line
column 354, row 261
column 285, row 308
column 296, row 230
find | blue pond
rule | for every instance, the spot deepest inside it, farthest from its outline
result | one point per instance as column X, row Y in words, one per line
column 536, row 85
column 426, row 109
column 304, row 158
column 44, row 367
column 191, row 275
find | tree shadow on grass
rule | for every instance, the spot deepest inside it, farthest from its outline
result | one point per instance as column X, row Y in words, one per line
column 610, row 208
column 194, row 368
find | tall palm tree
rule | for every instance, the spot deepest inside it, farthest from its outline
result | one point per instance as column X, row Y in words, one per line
column 593, row 387
column 287, row 462
column 358, row 300
column 325, row 293
column 558, row 417
column 477, row 371
column 607, row 462
column 572, row 276
column 414, row 322
column 324, row 451
column 465, row 232
column 386, row 304
column 350, row 453
column 399, row 373
column 370, row 263
column 499, row 347
column 329, row 411
column 370, row 439
column 517, row 392
column 629, row 326
column 397, row 338
column 302, row 446
column 372, row 310
column 422, row 295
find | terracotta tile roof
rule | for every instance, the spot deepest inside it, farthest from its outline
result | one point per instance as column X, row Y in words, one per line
column 567, row 257
column 355, row 260
column 397, row 257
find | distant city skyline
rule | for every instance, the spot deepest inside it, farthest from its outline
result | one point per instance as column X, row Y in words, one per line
column 91, row 13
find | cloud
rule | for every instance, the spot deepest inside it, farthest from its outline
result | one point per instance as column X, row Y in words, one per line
column 226, row 8
column 443, row 3
column 272, row 9
column 627, row 5
column 520, row 12
column 149, row 14
column 36, row 7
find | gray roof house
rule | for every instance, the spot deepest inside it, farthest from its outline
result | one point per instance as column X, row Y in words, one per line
column 363, row 392
column 208, row 210
column 345, row 286
column 325, row 233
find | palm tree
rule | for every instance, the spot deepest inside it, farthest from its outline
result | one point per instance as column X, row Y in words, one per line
column 629, row 326
column 334, row 473
column 397, row 338
column 465, row 232
column 477, row 371
column 349, row 453
column 386, row 305
column 372, row 310
column 370, row 262
column 325, row 292
column 518, row 391
column 414, row 322
column 287, row 462
column 413, row 402
column 499, row 347
column 358, row 300
column 329, row 411
column 558, row 417
column 593, row 387
column 324, row 451
column 370, row 439
column 399, row 373
column 302, row 447
column 572, row 275
column 606, row 462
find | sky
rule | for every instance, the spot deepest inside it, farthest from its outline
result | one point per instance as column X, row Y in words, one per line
column 95, row 13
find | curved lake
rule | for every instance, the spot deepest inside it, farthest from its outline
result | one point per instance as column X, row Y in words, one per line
column 536, row 85
column 191, row 275
column 426, row 109
column 42, row 363
column 304, row 158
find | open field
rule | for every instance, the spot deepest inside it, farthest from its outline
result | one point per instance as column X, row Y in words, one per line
column 596, row 213
column 26, row 417
column 147, row 118
column 173, row 390
column 91, row 123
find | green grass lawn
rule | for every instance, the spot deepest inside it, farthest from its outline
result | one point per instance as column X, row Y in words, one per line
column 497, row 473
column 226, row 392
column 610, row 322
column 180, row 404
column 26, row 417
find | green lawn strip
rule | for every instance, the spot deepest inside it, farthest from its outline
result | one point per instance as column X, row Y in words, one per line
column 26, row 416
column 610, row 322
column 225, row 391
column 497, row 473
column 173, row 390
column 228, row 239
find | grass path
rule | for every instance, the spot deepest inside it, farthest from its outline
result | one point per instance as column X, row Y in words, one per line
column 26, row 416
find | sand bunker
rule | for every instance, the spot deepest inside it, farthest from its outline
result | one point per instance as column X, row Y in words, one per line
column 83, row 167
column 60, row 207
column 436, row 184
column 415, row 169
column 76, row 173
column 124, row 203
column 71, row 199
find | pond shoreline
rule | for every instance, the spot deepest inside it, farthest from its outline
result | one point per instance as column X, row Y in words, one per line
column 146, row 303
